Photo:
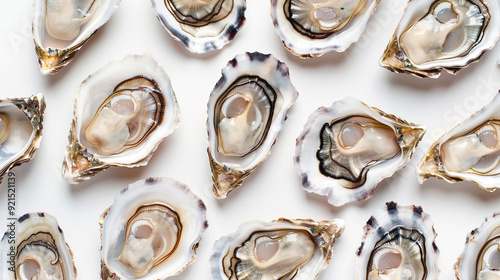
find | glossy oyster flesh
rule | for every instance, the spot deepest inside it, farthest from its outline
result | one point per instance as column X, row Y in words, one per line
column 479, row 259
column 201, row 25
column 436, row 35
column 346, row 149
column 38, row 251
column 398, row 243
column 246, row 110
column 151, row 231
column 21, row 124
column 470, row 151
column 122, row 113
column 282, row 249
column 61, row 27
column 310, row 28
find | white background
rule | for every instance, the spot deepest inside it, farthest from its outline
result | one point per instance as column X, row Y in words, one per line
column 274, row 189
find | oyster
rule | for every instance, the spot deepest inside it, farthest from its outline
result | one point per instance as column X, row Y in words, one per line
column 151, row 231
column 282, row 249
column 479, row 259
column 398, row 243
column 201, row 25
column 122, row 113
column 246, row 110
column 61, row 27
column 21, row 123
column 470, row 151
column 436, row 35
column 311, row 28
column 34, row 248
column 346, row 149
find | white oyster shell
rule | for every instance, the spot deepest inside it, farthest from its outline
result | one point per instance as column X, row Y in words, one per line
column 21, row 124
column 82, row 159
column 311, row 28
column 276, row 250
column 481, row 252
column 73, row 23
column 470, row 151
column 162, row 192
column 39, row 244
column 442, row 35
column 201, row 26
column 346, row 174
column 398, row 243
column 238, row 144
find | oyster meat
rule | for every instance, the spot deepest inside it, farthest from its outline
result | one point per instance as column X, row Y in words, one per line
column 398, row 243
column 470, row 151
column 281, row 249
column 151, row 231
column 122, row 113
column 436, row 35
column 311, row 28
column 21, row 124
column 35, row 249
column 201, row 25
column 479, row 259
column 346, row 149
column 246, row 110
column 61, row 27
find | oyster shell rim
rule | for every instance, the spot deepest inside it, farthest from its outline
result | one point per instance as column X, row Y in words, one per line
column 51, row 60
column 47, row 220
column 462, row 127
column 34, row 109
column 434, row 71
column 90, row 164
column 359, row 21
column 106, row 273
column 336, row 194
column 333, row 233
column 230, row 174
column 203, row 44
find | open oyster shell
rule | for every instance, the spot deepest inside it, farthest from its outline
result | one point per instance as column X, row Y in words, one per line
column 470, row 151
column 398, row 243
column 281, row 249
column 151, row 231
column 436, row 35
column 479, row 259
column 346, row 149
column 21, row 124
column 246, row 111
column 311, row 28
column 122, row 113
column 61, row 27
column 34, row 248
column 200, row 25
